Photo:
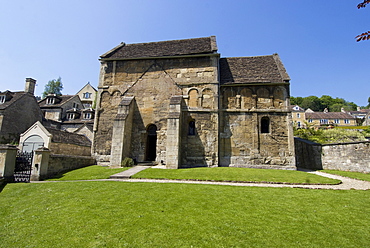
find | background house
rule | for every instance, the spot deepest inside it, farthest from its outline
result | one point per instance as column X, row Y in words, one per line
column 18, row 111
column 88, row 96
column 298, row 116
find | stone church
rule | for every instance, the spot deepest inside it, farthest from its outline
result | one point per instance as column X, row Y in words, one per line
column 179, row 104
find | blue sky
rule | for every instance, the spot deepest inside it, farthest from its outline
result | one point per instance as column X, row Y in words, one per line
column 45, row 39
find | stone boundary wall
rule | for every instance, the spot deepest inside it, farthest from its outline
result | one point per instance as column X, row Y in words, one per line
column 62, row 163
column 344, row 156
column 70, row 149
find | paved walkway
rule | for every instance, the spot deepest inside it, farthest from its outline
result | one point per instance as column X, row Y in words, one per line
column 347, row 183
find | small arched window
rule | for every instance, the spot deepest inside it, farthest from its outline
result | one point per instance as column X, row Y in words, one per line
column 191, row 130
column 265, row 125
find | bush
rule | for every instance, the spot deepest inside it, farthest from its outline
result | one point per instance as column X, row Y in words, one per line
column 127, row 162
column 330, row 135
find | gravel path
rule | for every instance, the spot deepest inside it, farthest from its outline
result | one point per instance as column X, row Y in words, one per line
column 347, row 183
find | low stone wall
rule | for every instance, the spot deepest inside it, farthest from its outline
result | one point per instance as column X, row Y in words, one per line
column 62, row 163
column 344, row 156
column 70, row 149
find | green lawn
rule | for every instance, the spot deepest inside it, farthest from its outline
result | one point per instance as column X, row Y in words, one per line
column 88, row 173
column 236, row 174
column 355, row 175
column 121, row 214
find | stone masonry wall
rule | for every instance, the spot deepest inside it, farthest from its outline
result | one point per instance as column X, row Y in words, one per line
column 152, row 83
column 70, row 149
column 62, row 163
column 344, row 157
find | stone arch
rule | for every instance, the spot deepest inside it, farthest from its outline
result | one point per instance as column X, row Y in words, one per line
column 32, row 143
column 193, row 97
column 279, row 97
column 151, row 142
column 263, row 98
column 116, row 98
column 207, row 98
column 246, row 98
column 229, row 98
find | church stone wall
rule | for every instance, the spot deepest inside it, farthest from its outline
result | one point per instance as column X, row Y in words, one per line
column 152, row 83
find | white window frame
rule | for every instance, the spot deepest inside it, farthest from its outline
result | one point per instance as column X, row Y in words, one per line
column 2, row 99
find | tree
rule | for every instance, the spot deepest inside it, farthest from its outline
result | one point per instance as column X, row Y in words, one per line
column 53, row 87
column 366, row 35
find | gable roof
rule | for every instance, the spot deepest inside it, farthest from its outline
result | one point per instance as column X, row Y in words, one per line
column 206, row 45
column 59, row 136
column 328, row 115
column 248, row 70
column 64, row 99
column 296, row 108
column 14, row 96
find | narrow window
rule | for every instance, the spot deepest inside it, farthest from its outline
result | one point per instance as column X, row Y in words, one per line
column 298, row 115
column 87, row 116
column 191, row 128
column 2, row 99
column 70, row 116
column 50, row 100
column 265, row 125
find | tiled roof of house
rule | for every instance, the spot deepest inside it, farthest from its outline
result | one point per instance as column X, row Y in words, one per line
column 14, row 97
column 328, row 115
column 63, row 100
column 259, row 69
column 206, row 45
column 68, row 138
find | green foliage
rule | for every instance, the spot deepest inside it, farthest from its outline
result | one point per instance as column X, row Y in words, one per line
column 118, row 214
column 235, row 174
column 319, row 104
column 54, row 86
column 88, row 173
column 127, row 162
column 328, row 136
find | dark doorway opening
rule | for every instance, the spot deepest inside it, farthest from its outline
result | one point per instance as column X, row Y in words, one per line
column 151, row 143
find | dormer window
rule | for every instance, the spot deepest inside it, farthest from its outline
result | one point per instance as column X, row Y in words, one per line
column 50, row 100
column 87, row 115
column 2, row 99
column 70, row 116
column 87, row 95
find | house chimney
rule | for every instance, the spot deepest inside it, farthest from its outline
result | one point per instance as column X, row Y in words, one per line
column 30, row 85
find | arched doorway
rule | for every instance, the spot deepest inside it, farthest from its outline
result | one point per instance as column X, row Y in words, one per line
column 32, row 143
column 151, row 143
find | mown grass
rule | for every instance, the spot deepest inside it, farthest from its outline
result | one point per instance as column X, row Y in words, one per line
column 88, row 173
column 355, row 175
column 119, row 214
column 236, row 174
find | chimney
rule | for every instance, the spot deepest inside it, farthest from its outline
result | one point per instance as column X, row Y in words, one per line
column 30, row 85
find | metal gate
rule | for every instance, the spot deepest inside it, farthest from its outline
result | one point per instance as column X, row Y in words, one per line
column 23, row 167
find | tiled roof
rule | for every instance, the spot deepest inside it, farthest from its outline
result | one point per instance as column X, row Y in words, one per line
column 206, row 45
column 63, row 100
column 68, row 138
column 328, row 115
column 14, row 97
column 259, row 69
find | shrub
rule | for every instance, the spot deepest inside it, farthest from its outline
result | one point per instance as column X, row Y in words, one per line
column 127, row 162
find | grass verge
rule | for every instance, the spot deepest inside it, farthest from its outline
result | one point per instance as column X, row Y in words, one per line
column 236, row 174
column 355, row 175
column 119, row 214
column 88, row 173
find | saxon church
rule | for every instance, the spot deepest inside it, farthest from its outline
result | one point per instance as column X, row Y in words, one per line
column 180, row 104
